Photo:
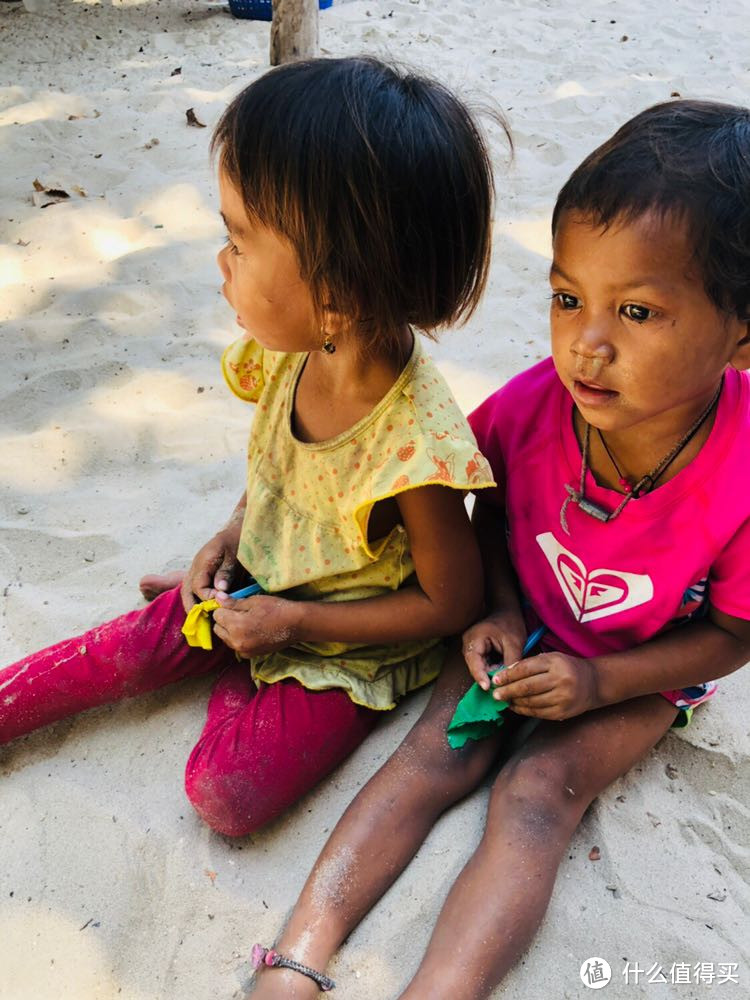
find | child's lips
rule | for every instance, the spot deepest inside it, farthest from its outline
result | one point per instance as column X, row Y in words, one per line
column 592, row 394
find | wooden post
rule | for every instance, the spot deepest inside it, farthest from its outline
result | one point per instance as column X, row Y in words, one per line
column 294, row 30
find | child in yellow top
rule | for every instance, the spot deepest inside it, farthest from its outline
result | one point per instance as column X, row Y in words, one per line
column 306, row 529
column 357, row 202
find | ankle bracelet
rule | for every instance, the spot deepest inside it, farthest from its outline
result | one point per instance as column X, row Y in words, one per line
column 272, row 959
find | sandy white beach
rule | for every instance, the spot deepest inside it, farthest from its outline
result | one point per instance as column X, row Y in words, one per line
column 122, row 452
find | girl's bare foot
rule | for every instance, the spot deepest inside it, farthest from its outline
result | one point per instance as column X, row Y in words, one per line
column 154, row 584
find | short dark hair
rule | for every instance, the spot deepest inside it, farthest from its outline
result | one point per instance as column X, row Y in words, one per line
column 687, row 159
column 379, row 178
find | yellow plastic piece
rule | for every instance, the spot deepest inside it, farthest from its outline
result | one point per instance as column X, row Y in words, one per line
column 197, row 627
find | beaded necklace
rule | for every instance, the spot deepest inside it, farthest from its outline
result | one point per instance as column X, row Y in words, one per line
column 644, row 485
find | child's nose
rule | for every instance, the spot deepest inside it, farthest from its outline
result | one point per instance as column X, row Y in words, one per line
column 590, row 358
column 590, row 366
column 221, row 260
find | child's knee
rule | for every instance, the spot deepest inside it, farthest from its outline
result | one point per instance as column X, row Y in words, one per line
column 538, row 796
column 224, row 798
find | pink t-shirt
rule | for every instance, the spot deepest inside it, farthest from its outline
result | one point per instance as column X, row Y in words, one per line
column 607, row 587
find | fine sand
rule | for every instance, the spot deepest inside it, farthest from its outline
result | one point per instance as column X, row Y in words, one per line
column 122, row 452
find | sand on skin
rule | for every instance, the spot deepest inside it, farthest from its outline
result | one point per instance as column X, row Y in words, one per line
column 122, row 452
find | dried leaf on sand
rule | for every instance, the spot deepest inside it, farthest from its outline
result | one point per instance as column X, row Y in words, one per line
column 192, row 120
column 44, row 196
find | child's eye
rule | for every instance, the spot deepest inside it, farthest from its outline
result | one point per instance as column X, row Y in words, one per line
column 565, row 301
column 231, row 247
column 639, row 314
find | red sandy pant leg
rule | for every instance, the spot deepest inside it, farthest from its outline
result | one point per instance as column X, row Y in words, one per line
column 262, row 749
column 138, row 652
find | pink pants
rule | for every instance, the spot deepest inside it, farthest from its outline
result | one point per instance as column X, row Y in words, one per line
column 261, row 748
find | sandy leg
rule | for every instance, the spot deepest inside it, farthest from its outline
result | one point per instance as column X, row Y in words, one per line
column 377, row 837
column 500, row 898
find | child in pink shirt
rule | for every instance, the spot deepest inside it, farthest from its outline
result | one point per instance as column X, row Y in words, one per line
column 605, row 586
column 620, row 522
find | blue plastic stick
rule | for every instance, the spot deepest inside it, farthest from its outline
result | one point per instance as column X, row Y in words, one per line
column 530, row 644
column 533, row 639
column 254, row 588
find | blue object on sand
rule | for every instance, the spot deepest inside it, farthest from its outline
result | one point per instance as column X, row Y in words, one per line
column 261, row 10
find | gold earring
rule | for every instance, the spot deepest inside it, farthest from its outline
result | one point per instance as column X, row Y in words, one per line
column 328, row 345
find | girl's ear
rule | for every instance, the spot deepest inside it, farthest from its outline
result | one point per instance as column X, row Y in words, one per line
column 329, row 315
column 336, row 323
column 741, row 357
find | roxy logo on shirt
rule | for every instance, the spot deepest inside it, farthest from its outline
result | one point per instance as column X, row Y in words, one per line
column 594, row 593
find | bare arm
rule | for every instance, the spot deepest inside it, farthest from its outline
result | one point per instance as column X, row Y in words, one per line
column 500, row 584
column 686, row 655
column 557, row 686
column 449, row 573
column 445, row 599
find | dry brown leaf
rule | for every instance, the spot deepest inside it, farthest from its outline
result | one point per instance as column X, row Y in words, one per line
column 44, row 196
column 192, row 120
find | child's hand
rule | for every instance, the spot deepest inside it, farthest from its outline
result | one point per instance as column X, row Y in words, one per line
column 256, row 625
column 212, row 569
column 498, row 638
column 548, row 686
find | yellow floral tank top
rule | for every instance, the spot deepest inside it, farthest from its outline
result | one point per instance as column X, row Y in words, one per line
column 304, row 534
